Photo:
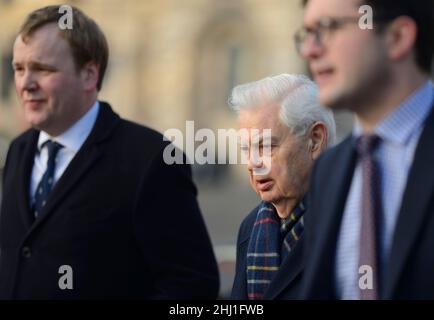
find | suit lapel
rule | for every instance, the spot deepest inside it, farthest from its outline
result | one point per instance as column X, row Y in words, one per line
column 414, row 208
column 87, row 156
column 25, row 166
column 329, row 207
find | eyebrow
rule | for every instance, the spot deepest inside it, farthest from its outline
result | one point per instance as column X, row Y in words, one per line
column 36, row 65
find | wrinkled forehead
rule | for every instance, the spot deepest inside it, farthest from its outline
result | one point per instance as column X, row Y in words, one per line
column 330, row 8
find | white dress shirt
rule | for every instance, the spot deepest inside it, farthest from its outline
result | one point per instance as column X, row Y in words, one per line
column 71, row 140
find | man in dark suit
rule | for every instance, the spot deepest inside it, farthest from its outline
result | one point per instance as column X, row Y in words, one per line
column 370, row 226
column 269, row 261
column 90, row 208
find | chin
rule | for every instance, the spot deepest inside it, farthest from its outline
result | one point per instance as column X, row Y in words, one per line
column 266, row 197
column 33, row 123
column 331, row 99
column 33, row 117
column 37, row 123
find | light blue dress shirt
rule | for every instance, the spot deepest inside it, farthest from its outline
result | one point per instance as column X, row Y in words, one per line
column 399, row 133
column 72, row 140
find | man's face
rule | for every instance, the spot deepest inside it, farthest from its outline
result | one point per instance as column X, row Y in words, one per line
column 49, row 87
column 350, row 62
column 286, row 165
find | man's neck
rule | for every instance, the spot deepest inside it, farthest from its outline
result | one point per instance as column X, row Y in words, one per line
column 60, row 128
column 285, row 207
column 387, row 100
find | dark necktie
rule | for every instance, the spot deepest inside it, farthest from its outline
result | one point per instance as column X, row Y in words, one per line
column 370, row 215
column 47, row 180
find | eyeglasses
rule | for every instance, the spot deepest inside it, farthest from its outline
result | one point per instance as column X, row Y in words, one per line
column 325, row 27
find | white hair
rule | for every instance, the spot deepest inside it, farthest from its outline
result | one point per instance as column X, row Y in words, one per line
column 297, row 97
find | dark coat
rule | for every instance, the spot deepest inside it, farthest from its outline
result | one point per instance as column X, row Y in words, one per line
column 286, row 283
column 409, row 273
column 128, row 224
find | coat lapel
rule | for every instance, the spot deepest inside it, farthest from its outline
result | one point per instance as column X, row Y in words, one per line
column 328, row 208
column 87, row 156
column 288, row 271
column 28, row 150
column 417, row 196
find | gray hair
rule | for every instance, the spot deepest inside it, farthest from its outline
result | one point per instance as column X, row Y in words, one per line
column 297, row 96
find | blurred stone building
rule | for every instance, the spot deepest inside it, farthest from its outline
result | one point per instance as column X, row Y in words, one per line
column 173, row 61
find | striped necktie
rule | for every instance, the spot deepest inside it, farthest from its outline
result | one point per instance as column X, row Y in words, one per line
column 47, row 180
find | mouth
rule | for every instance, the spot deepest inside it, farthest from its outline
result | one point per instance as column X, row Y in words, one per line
column 33, row 104
column 264, row 184
column 323, row 75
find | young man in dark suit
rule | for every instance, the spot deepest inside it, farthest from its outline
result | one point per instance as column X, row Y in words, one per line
column 90, row 208
column 370, row 227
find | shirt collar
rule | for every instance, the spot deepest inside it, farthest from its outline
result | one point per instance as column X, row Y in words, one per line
column 405, row 120
column 74, row 137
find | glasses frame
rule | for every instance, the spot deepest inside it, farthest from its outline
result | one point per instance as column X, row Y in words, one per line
column 325, row 27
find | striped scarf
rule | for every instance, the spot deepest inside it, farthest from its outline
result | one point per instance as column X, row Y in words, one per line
column 270, row 243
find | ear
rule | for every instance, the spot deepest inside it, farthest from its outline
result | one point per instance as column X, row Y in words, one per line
column 90, row 75
column 317, row 139
column 401, row 38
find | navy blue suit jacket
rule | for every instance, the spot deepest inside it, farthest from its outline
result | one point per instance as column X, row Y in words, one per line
column 409, row 273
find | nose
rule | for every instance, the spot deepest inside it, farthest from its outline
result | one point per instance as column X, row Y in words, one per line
column 254, row 162
column 311, row 48
column 27, row 81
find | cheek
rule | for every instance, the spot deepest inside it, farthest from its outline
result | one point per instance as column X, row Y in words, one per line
column 18, row 89
column 252, row 183
column 357, row 55
column 19, row 84
column 268, row 163
column 288, row 175
column 293, row 169
column 51, row 85
column 302, row 174
column 278, row 172
column 273, row 160
column 55, row 83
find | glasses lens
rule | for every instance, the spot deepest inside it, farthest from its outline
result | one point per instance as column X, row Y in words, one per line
column 299, row 39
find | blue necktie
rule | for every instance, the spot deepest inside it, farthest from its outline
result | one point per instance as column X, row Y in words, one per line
column 47, row 180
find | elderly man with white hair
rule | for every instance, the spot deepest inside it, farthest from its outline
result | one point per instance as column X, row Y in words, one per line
column 269, row 247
